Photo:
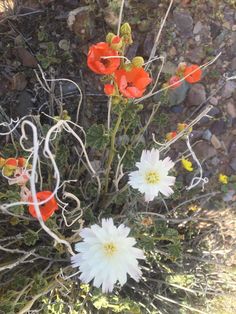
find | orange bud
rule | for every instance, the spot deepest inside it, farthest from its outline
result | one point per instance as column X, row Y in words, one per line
column 109, row 89
column 11, row 163
column 21, row 161
column 171, row 135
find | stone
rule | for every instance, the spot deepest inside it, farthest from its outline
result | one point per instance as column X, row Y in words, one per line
column 233, row 45
column 207, row 135
column 215, row 142
column 233, row 163
column 218, row 127
column 81, row 22
column 26, row 58
column 233, row 64
column 196, row 55
column 196, row 95
column 176, row 109
column 172, row 51
column 213, row 101
column 215, row 29
column 169, row 68
column 231, row 109
column 229, row 196
column 214, row 112
column 215, row 161
column 204, row 151
column 197, row 28
column 184, row 22
column 229, row 88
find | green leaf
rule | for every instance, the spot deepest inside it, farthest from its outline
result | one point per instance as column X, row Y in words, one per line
column 30, row 237
column 97, row 136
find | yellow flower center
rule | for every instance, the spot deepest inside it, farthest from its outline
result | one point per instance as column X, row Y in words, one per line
column 110, row 248
column 152, row 177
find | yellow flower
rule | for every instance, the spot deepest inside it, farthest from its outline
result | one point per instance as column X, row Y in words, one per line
column 223, row 178
column 187, row 164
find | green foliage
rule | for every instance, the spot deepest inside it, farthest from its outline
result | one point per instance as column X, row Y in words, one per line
column 30, row 237
column 49, row 58
column 115, row 304
column 97, row 136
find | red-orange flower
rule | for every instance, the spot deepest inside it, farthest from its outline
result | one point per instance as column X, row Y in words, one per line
column 133, row 83
column 46, row 209
column 109, row 89
column 195, row 76
column 96, row 61
column 174, row 80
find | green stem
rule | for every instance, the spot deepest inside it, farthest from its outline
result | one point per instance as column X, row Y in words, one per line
column 112, row 150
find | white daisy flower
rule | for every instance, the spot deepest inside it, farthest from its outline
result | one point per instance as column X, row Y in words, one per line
column 152, row 176
column 107, row 255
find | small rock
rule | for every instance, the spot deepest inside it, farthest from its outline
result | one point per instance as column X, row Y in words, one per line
column 18, row 82
column 233, row 45
column 233, row 64
column 204, row 151
column 81, row 22
column 207, row 135
column 196, row 55
column 197, row 28
column 215, row 161
column 172, row 51
column 176, row 109
column 228, row 90
column 218, row 127
column 184, row 22
column 215, row 29
column 214, row 112
column 213, row 101
column 169, row 68
column 215, row 142
column 231, row 109
column 196, row 95
column 229, row 196
column 196, row 135
column 233, row 163
column 27, row 59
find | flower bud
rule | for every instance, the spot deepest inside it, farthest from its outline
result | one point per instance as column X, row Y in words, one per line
column 125, row 29
column 21, row 162
column 109, row 89
column 109, row 37
column 138, row 62
column 2, row 162
column 116, row 43
column 116, row 100
column 11, row 163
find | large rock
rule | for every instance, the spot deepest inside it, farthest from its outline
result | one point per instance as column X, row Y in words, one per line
column 196, row 95
column 184, row 22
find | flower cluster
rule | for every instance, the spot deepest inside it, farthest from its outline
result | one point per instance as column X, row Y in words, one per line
column 10, row 166
column 126, row 80
column 191, row 74
column 17, row 171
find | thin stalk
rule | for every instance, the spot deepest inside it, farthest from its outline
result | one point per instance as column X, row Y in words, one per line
column 112, row 150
